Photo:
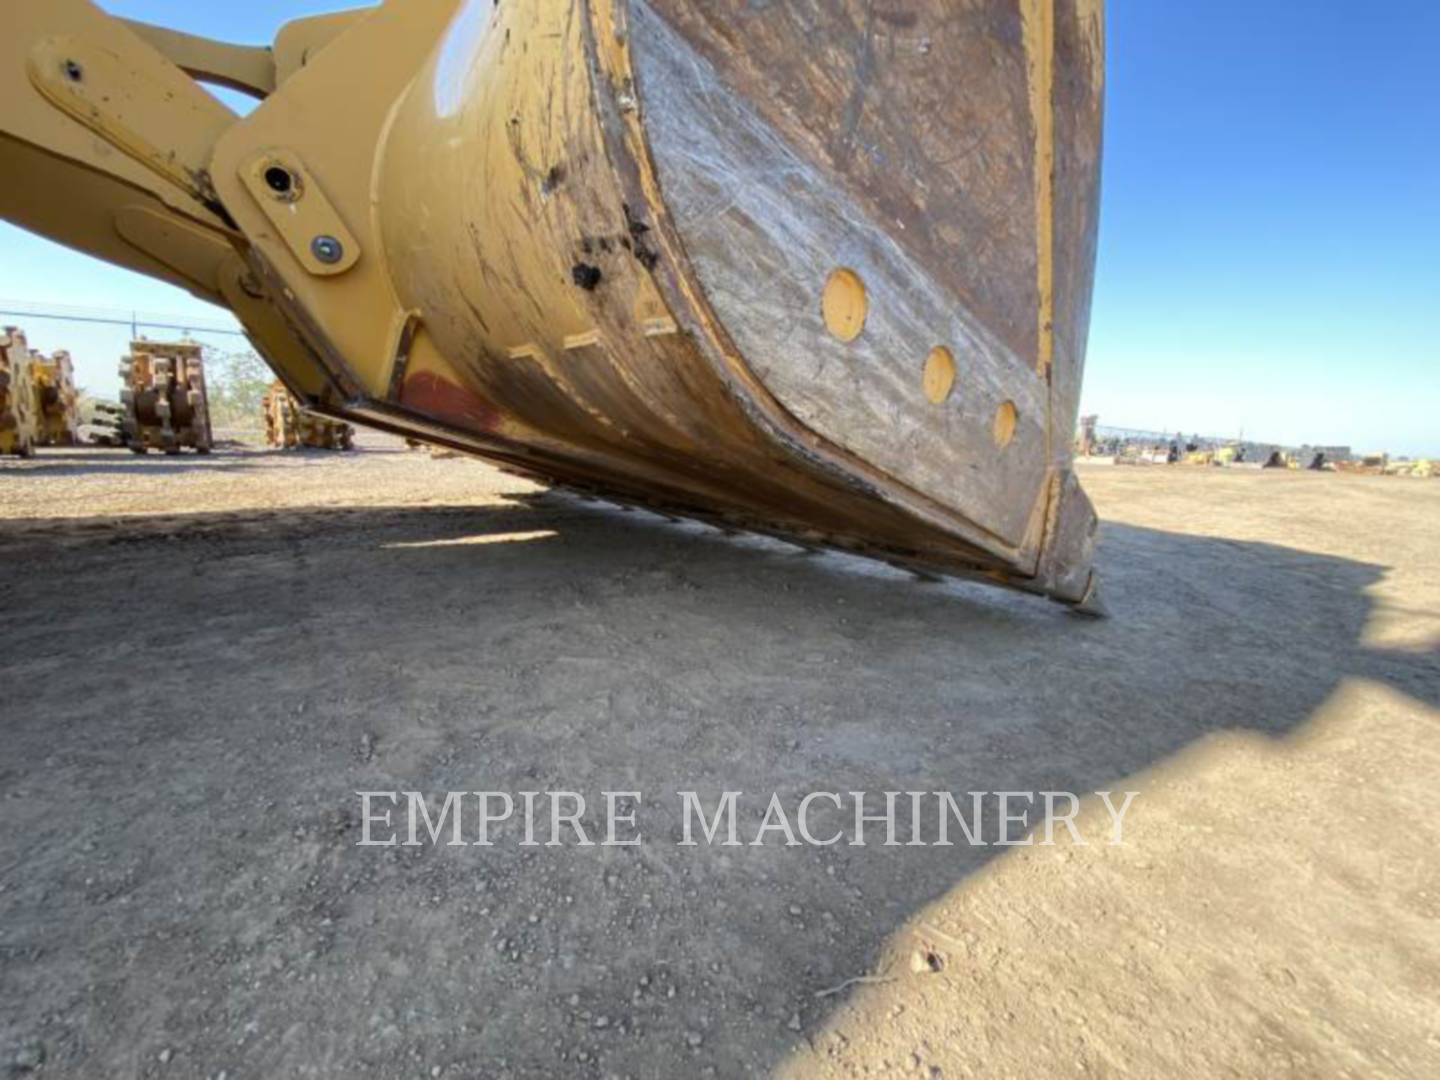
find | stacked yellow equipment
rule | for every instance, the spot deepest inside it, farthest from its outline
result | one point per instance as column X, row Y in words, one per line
column 163, row 393
column 288, row 424
column 18, row 432
column 57, row 402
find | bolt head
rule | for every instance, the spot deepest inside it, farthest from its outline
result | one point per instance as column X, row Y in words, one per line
column 327, row 249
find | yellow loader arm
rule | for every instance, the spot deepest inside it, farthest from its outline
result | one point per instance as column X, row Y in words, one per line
column 818, row 271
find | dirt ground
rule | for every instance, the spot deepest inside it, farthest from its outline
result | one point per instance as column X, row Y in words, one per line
column 206, row 658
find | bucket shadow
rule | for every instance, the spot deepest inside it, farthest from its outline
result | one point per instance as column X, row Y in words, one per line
column 50, row 463
column 222, row 721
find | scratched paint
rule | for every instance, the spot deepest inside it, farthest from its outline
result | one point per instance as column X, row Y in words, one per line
column 763, row 227
column 1039, row 24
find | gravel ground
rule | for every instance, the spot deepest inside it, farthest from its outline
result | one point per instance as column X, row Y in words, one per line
column 208, row 657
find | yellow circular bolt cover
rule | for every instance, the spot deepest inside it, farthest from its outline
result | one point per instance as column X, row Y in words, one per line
column 1006, row 417
column 939, row 377
column 844, row 305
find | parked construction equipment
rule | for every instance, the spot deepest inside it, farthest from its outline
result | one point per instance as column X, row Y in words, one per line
column 163, row 393
column 105, row 425
column 57, row 400
column 19, row 431
column 289, row 425
column 1424, row 468
column 772, row 266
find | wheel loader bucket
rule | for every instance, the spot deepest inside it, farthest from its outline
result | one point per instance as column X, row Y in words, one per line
column 821, row 271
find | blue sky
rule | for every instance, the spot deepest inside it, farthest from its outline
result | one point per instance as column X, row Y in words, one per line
column 1270, row 232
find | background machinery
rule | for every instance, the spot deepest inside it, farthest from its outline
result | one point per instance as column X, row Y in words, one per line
column 57, row 400
column 19, row 430
column 289, row 425
column 163, row 394
column 103, row 423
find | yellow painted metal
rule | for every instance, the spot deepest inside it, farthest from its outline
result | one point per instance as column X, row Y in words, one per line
column 128, row 100
column 249, row 69
column 300, row 40
column 95, row 125
column 718, row 258
column 341, row 135
column 295, row 205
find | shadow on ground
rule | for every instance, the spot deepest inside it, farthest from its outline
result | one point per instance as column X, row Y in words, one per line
column 205, row 695
column 50, row 464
